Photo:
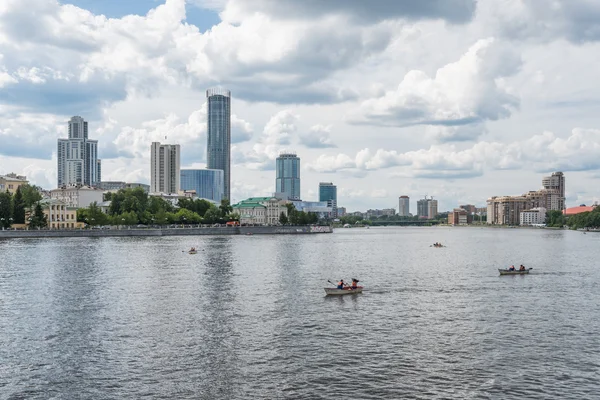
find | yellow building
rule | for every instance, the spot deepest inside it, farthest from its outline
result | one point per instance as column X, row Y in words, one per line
column 59, row 215
column 11, row 182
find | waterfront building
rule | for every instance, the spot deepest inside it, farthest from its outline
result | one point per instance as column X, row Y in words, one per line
column 403, row 206
column 11, row 182
column 260, row 210
column 535, row 216
column 77, row 196
column 207, row 183
column 219, row 135
column 390, row 212
column 469, row 208
column 288, row 175
column 556, row 182
column 59, row 215
column 341, row 211
column 579, row 209
column 328, row 194
column 459, row 216
column 77, row 156
column 164, row 168
column 321, row 208
column 427, row 208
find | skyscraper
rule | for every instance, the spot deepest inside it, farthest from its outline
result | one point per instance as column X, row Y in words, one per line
column 288, row 175
column 77, row 156
column 219, row 134
column 556, row 182
column 328, row 193
column 403, row 206
column 427, row 208
column 164, row 168
column 208, row 183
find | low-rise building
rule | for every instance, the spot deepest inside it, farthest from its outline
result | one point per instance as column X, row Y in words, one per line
column 77, row 196
column 459, row 216
column 535, row 216
column 11, row 182
column 260, row 210
column 59, row 215
column 118, row 185
column 579, row 209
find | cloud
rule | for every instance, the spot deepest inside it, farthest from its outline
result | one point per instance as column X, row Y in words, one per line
column 241, row 131
column 455, row 11
column 467, row 92
column 30, row 135
column 318, row 137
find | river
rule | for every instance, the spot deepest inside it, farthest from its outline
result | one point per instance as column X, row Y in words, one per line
column 246, row 317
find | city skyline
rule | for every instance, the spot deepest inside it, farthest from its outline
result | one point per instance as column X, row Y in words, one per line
column 460, row 101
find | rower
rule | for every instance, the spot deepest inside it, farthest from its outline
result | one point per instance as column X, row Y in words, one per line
column 512, row 268
column 522, row 268
column 340, row 284
column 354, row 283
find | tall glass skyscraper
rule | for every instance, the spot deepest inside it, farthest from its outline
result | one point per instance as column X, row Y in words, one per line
column 78, row 162
column 288, row 175
column 208, row 183
column 219, row 134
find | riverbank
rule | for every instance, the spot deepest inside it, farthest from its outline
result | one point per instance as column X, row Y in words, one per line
column 242, row 230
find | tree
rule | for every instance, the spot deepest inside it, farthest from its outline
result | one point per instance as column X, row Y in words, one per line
column 213, row 215
column 225, row 207
column 185, row 216
column 283, row 219
column 31, row 195
column 127, row 218
column 5, row 209
column 18, row 207
column 555, row 218
column 38, row 220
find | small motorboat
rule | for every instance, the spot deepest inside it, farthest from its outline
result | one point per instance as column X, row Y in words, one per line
column 346, row 290
column 514, row 272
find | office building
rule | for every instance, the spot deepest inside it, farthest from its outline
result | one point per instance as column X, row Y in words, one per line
column 403, row 206
column 535, row 216
column 328, row 193
column 164, row 168
column 288, row 176
column 77, row 157
column 207, row 183
column 219, row 135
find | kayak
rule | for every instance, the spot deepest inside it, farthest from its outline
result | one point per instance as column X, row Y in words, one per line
column 515, row 272
column 336, row 291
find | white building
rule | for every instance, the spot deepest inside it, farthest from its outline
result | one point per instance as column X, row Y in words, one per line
column 260, row 210
column 164, row 168
column 535, row 216
column 403, row 206
column 77, row 156
column 77, row 196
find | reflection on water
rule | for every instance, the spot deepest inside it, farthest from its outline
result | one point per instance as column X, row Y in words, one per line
column 247, row 317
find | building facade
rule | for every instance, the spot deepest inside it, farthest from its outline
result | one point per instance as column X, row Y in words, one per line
column 118, row 185
column 164, row 168
column 207, row 183
column 328, row 194
column 403, row 206
column 11, row 182
column 535, row 216
column 321, row 208
column 427, row 208
column 77, row 156
column 459, row 216
column 260, row 210
column 219, row 135
column 288, row 176
column 376, row 213
column 77, row 196
column 556, row 182
column 60, row 215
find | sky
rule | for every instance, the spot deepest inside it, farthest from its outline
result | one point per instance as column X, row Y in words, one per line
column 456, row 99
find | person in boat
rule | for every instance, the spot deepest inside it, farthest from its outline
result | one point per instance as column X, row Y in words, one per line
column 340, row 284
column 354, row 283
column 522, row 268
column 512, row 268
column 193, row 249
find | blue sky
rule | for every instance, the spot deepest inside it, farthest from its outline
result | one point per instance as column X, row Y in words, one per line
column 458, row 99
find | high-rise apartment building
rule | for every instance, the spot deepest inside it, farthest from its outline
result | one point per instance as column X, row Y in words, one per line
column 219, row 134
column 208, row 183
column 403, row 206
column 556, row 181
column 288, row 175
column 77, row 156
column 328, row 193
column 164, row 168
column 427, row 208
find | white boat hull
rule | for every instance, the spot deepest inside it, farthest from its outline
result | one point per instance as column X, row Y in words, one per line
column 339, row 292
column 516, row 272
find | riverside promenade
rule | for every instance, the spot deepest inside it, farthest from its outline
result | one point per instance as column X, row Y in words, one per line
column 179, row 231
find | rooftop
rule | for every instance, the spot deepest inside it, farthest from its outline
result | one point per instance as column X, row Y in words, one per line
column 577, row 210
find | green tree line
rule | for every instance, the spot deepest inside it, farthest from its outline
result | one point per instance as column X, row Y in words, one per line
column 14, row 208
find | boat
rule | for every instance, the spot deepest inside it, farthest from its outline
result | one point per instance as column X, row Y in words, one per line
column 192, row 252
column 515, row 272
column 338, row 292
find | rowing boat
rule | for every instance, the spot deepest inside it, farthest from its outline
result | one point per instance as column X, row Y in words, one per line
column 192, row 252
column 515, row 272
column 338, row 292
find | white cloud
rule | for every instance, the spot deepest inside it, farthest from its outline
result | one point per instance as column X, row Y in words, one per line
column 317, row 137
